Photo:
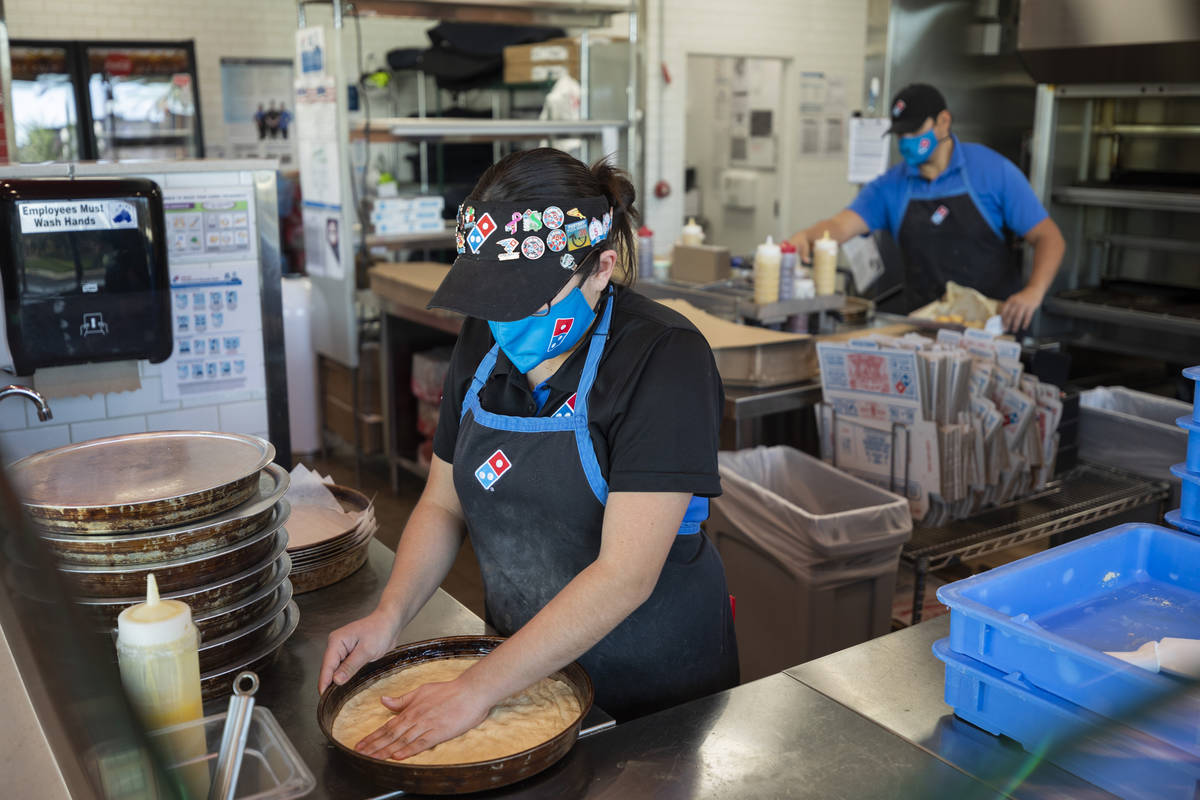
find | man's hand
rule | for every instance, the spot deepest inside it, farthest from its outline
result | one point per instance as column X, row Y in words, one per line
column 803, row 246
column 353, row 645
column 1018, row 310
column 427, row 716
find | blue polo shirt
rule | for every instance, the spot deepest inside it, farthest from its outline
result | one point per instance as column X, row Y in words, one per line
column 999, row 190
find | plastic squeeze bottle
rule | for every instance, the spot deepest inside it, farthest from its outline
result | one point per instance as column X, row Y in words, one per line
column 825, row 254
column 159, row 657
column 645, row 252
column 766, row 272
column 787, row 270
column 693, row 234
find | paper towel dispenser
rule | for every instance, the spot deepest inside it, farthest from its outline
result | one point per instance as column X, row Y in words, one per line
column 84, row 266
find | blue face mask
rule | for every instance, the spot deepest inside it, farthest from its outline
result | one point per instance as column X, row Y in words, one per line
column 530, row 341
column 916, row 150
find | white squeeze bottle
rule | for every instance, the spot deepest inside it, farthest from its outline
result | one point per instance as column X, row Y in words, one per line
column 766, row 272
column 825, row 254
column 692, row 235
column 159, row 657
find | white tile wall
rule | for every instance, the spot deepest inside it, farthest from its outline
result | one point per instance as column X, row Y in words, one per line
column 243, row 417
column 192, row 419
column 145, row 400
column 18, row 444
column 82, row 431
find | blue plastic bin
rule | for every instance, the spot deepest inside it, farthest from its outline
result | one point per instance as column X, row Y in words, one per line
column 1193, row 442
column 1189, row 492
column 1193, row 373
column 1188, row 526
column 1052, row 615
column 1116, row 758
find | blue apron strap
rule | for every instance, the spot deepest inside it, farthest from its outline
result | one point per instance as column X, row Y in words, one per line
column 471, row 401
column 966, row 176
column 595, row 350
column 583, row 437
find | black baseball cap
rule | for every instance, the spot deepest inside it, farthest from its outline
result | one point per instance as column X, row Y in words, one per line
column 514, row 256
column 913, row 105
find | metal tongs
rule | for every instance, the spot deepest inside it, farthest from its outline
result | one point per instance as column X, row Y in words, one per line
column 233, row 739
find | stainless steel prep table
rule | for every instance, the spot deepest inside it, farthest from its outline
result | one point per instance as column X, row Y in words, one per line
column 896, row 682
column 788, row 735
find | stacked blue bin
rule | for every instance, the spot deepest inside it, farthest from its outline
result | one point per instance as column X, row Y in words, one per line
column 1027, row 654
column 1187, row 516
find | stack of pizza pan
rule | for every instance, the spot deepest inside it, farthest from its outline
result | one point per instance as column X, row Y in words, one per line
column 203, row 512
column 325, row 545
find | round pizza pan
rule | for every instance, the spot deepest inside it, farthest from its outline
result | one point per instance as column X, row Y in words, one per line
column 265, row 507
column 139, row 481
column 450, row 778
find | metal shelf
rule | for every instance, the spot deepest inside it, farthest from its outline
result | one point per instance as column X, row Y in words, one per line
column 576, row 14
column 1126, row 317
column 1155, row 243
column 412, row 241
column 444, row 129
column 1088, row 494
column 1188, row 202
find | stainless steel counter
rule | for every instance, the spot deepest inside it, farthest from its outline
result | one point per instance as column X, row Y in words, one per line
column 776, row 737
column 896, row 682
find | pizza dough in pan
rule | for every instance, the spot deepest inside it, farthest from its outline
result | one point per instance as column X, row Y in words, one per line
column 522, row 721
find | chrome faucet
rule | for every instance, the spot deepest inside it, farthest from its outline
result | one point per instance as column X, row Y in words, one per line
column 43, row 408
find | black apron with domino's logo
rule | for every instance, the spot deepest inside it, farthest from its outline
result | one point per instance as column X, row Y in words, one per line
column 948, row 239
column 533, row 495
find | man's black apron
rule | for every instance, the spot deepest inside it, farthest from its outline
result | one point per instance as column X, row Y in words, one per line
column 948, row 239
column 533, row 496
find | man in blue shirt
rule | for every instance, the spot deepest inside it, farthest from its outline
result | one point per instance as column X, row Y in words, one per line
column 951, row 207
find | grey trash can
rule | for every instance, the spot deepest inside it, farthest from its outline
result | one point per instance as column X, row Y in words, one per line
column 810, row 555
column 1133, row 431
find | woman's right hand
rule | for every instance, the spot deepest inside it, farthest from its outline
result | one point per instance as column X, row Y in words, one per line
column 353, row 645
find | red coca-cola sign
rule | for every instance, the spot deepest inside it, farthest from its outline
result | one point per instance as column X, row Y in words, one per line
column 118, row 64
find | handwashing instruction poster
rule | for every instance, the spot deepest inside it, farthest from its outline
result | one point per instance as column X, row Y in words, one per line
column 212, row 247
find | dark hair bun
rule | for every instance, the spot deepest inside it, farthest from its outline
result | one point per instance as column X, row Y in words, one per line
column 616, row 186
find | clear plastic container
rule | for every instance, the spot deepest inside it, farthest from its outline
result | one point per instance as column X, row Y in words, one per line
column 271, row 767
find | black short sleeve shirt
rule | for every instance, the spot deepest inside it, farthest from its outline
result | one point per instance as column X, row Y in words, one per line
column 654, row 410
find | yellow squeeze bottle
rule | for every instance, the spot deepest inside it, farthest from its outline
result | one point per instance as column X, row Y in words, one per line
column 825, row 256
column 159, row 657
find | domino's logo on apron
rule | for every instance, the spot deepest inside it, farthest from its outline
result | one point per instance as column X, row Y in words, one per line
column 939, row 215
column 493, row 469
column 567, row 409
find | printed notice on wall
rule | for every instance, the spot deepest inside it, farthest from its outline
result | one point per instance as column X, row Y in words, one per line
column 868, row 148
column 60, row 216
column 218, row 331
column 216, row 314
column 320, row 179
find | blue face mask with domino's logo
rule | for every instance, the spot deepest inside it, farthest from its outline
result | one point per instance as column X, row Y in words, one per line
column 916, row 150
column 545, row 334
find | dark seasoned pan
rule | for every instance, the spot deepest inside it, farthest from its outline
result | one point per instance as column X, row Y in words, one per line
column 450, row 778
column 140, row 481
column 326, row 574
column 218, row 682
column 173, row 576
column 253, row 632
column 217, row 623
column 266, row 507
column 201, row 599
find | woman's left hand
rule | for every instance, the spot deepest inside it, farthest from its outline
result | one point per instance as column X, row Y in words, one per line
column 426, row 716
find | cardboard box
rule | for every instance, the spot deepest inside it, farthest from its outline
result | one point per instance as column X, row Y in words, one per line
column 338, row 381
column 750, row 356
column 554, row 58
column 703, row 263
column 339, row 419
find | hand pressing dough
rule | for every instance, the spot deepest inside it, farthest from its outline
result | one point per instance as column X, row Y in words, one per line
column 520, row 722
